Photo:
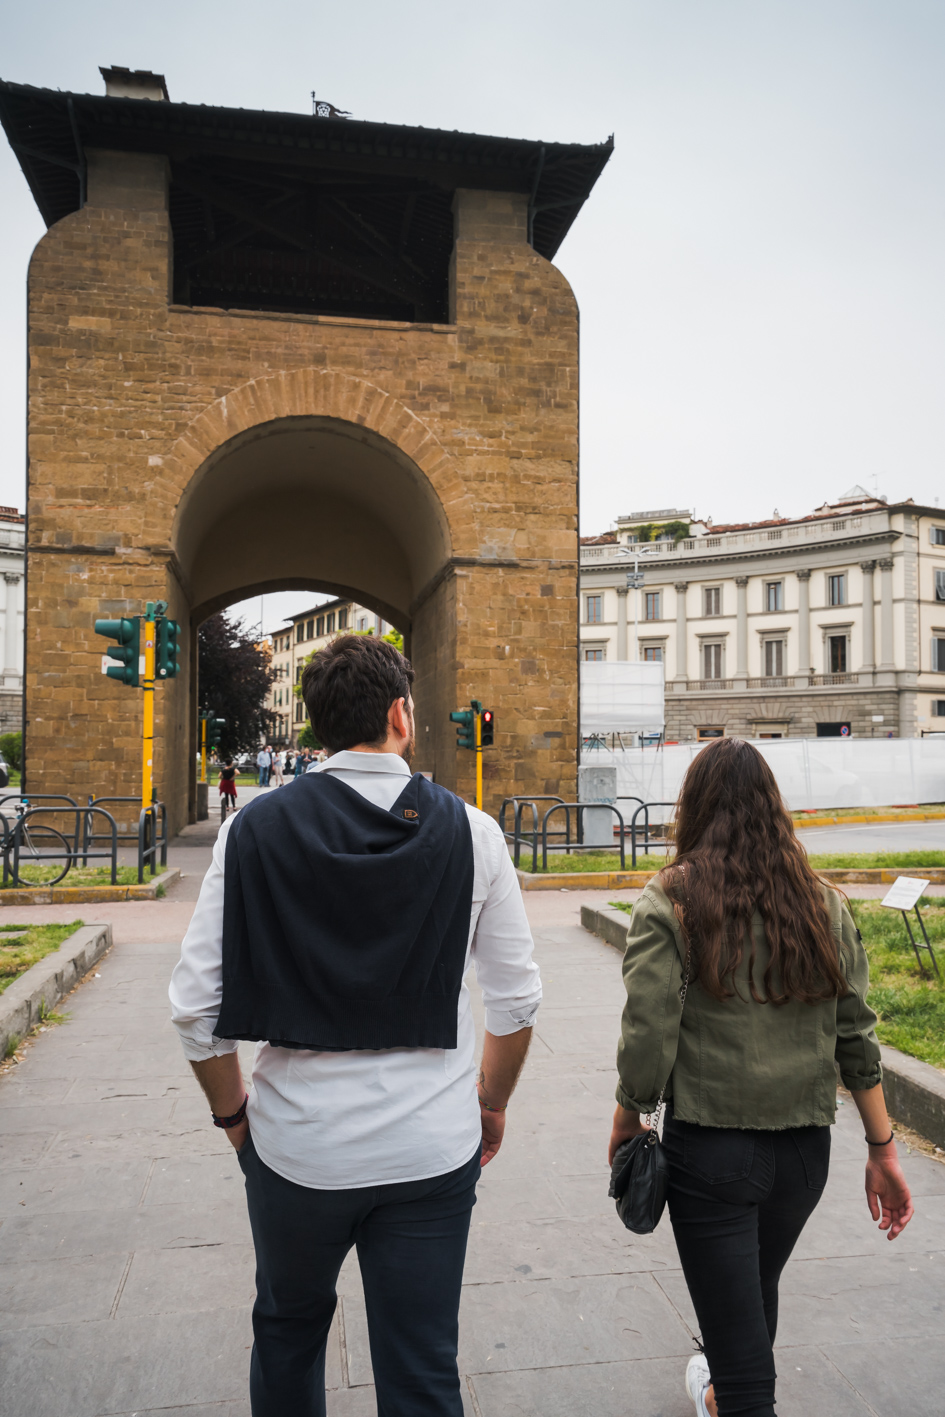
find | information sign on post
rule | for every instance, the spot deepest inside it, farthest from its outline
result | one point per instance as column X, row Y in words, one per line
column 904, row 895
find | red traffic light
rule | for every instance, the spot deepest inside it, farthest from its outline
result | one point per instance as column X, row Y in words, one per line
column 487, row 728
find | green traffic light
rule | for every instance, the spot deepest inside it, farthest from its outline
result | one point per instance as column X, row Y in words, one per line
column 167, row 649
column 465, row 733
column 126, row 652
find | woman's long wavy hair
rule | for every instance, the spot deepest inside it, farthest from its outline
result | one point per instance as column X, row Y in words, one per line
column 736, row 852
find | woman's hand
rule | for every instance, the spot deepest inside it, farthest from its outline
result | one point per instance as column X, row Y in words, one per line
column 887, row 1192
column 626, row 1125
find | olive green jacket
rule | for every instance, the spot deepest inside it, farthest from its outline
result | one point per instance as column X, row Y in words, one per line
column 737, row 1063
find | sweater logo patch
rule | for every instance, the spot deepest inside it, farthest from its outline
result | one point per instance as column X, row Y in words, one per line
column 409, row 812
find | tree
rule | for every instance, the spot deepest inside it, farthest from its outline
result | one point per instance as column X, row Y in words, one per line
column 234, row 679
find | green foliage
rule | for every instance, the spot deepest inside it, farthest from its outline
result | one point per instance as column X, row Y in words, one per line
column 307, row 738
column 651, row 531
column 11, row 746
column 235, row 676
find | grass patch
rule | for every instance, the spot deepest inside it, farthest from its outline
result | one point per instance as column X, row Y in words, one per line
column 911, row 1009
column 24, row 950
column 34, row 874
column 892, row 860
column 593, row 861
column 806, row 816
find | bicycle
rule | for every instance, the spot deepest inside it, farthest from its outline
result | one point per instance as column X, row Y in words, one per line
column 42, row 846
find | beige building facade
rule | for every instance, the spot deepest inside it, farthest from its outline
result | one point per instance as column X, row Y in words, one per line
column 828, row 624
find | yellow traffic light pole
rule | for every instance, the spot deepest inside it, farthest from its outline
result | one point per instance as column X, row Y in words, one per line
column 478, row 718
column 203, row 749
column 147, row 750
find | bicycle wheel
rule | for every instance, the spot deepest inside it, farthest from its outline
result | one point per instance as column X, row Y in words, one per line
column 45, row 856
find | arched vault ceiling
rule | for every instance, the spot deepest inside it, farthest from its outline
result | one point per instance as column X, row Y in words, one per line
column 313, row 499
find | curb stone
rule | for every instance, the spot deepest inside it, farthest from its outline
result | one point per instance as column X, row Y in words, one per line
column 915, row 1091
column 84, row 895
column 621, row 880
column 41, row 987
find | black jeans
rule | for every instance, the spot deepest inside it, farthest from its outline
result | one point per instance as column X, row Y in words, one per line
column 738, row 1201
column 411, row 1241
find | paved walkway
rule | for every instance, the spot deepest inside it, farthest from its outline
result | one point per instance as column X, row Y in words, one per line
column 126, row 1272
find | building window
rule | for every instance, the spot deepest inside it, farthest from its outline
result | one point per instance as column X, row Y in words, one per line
column 938, row 536
column 299, row 633
column 837, row 590
column 298, row 673
column 594, row 655
column 310, row 630
column 711, row 661
column 703, row 734
column 836, row 654
column 593, row 606
column 940, row 585
column 713, row 599
column 343, row 619
column 652, row 602
column 330, row 623
column 938, row 654
column 362, row 623
column 774, row 658
column 320, row 627
column 653, row 654
column 774, row 596
column 938, row 708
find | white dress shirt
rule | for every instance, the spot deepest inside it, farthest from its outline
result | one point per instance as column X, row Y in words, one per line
column 337, row 1121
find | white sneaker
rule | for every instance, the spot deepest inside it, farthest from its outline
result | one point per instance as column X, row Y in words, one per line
column 698, row 1380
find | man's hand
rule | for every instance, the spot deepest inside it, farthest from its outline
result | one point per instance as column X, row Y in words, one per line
column 223, row 1086
column 236, row 1136
column 626, row 1125
column 493, row 1130
column 887, row 1193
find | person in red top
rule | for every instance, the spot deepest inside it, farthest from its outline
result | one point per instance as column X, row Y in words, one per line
column 227, row 789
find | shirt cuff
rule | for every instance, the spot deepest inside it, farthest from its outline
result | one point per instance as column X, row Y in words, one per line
column 861, row 1082
column 501, row 1022
column 196, row 1051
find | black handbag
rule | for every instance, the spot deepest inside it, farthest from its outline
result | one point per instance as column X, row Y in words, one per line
column 639, row 1170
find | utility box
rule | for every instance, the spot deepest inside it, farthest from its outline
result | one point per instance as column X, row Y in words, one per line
column 598, row 784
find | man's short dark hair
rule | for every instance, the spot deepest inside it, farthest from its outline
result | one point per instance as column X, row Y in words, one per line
column 349, row 686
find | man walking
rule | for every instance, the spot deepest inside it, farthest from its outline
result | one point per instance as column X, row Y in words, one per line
column 264, row 763
column 334, row 927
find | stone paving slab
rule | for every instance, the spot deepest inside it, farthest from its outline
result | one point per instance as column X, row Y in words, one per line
column 126, row 1270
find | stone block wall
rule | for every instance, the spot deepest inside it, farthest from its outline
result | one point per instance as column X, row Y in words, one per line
column 131, row 399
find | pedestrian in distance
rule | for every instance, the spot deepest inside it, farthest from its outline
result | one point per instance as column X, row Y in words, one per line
column 227, row 789
column 301, row 763
column 276, row 770
column 777, row 982
column 287, row 766
column 264, row 763
column 334, row 928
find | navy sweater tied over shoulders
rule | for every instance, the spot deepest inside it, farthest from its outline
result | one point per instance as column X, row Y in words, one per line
column 345, row 926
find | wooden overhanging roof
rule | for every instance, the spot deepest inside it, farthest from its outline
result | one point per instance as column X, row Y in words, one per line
column 352, row 212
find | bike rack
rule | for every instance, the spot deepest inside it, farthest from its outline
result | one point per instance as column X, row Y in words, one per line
column 645, row 808
column 150, row 841
column 567, row 846
column 89, row 838
column 516, row 836
column 13, row 841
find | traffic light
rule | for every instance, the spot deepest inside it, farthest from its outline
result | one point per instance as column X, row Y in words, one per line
column 487, row 728
column 126, row 652
column 466, row 732
column 167, row 656
column 215, row 727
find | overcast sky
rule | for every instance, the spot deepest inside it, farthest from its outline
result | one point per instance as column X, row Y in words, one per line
column 759, row 270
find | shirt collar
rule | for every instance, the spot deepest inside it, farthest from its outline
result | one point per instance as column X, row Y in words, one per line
column 365, row 762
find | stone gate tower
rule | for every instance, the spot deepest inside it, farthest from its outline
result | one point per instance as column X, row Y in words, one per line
column 271, row 351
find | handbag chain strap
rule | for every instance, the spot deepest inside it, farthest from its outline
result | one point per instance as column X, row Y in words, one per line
column 653, row 1118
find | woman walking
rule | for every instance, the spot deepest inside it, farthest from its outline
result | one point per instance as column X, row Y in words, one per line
column 277, row 776
column 227, row 789
column 777, row 982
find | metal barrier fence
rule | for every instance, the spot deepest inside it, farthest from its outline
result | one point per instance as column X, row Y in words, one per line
column 528, row 832
column 40, row 852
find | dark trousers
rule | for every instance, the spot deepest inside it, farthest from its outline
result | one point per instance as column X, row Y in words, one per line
column 738, row 1201
column 411, row 1242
